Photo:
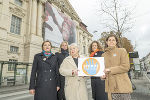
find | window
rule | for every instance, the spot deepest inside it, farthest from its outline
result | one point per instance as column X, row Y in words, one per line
column 14, row 49
column 83, row 38
column 11, row 66
column 84, row 51
column 18, row 2
column 15, row 25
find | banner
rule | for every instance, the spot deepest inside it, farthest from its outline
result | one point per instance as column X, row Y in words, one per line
column 91, row 66
column 58, row 27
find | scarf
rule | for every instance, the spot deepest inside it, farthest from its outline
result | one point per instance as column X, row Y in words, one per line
column 93, row 53
column 65, row 52
column 47, row 53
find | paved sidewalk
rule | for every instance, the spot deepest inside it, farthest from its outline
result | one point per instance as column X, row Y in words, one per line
column 13, row 88
column 142, row 91
column 19, row 92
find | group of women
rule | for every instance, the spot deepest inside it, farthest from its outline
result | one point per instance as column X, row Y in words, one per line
column 55, row 77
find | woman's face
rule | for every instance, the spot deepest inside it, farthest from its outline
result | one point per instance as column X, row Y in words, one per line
column 73, row 50
column 94, row 46
column 111, row 42
column 47, row 46
column 64, row 46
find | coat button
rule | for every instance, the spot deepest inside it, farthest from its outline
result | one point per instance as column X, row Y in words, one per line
column 50, row 70
column 50, row 79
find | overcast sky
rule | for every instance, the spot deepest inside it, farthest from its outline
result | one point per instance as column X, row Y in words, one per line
column 140, row 33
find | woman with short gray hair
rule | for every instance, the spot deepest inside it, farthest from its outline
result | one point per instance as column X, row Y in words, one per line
column 75, row 87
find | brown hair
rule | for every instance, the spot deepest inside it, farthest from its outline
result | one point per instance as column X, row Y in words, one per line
column 117, row 41
column 62, row 44
column 45, row 42
column 98, row 46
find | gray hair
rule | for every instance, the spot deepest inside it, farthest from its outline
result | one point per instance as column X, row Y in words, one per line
column 74, row 44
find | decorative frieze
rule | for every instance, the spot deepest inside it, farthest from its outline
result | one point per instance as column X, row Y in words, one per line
column 42, row 1
column 25, row 0
column 17, row 11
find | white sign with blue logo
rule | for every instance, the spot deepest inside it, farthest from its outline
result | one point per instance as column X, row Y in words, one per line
column 91, row 66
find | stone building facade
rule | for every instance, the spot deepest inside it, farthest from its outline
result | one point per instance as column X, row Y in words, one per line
column 21, row 30
column 145, row 62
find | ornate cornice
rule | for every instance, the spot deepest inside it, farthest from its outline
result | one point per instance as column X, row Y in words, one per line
column 66, row 7
column 85, row 32
column 25, row 0
column 42, row 1
column 17, row 11
column 35, row 0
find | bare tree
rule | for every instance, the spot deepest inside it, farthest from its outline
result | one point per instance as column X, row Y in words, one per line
column 117, row 17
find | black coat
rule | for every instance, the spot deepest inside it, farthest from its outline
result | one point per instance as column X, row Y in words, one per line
column 98, row 85
column 44, row 77
column 60, row 58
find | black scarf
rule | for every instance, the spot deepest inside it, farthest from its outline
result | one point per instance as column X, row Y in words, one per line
column 65, row 52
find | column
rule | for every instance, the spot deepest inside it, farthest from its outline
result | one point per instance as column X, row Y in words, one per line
column 34, row 17
column 39, row 18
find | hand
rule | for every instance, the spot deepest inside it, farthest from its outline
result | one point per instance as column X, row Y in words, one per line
column 106, row 71
column 103, row 77
column 32, row 91
column 75, row 72
column 58, row 88
column 91, row 67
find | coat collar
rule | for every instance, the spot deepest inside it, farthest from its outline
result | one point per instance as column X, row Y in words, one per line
column 71, row 61
column 43, row 58
column 109, row 49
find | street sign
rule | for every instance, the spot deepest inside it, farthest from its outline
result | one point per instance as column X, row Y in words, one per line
column 133, row 54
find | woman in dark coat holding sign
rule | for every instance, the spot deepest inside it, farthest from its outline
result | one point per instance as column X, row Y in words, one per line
column 98, row 85
column 44, row 82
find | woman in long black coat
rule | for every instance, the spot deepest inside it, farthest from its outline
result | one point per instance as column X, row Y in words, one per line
column 60, row 57
column 44, row 81
column 97, row 85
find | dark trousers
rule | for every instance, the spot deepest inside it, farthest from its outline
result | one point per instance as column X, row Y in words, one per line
column 61, row 95
column 98, row 89
column 61, row 92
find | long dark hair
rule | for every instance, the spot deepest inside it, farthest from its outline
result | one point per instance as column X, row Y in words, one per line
column 117, row 41
column 98, row 46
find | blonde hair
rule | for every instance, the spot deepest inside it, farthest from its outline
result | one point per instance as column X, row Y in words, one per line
column 62, row 44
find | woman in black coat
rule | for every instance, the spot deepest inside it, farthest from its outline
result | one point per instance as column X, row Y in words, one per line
column 97, row 85
column 60, row 57
column 44, row 81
